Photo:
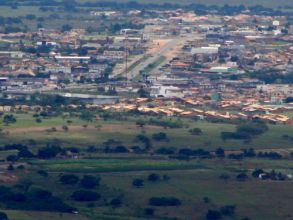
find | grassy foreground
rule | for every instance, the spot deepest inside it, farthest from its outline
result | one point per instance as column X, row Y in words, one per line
column 189, row 185
column 196, row 182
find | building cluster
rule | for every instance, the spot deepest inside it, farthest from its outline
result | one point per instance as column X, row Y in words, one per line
column 227, row 67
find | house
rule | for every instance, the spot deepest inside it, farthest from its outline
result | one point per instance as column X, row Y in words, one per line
column 57, row 69
column 167, row 91
column 115, row 54
column 222, row 69
column 72, row 59
column 93, row 99
column 204, row 50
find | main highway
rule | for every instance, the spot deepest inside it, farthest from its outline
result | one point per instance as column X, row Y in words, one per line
column 166, row 48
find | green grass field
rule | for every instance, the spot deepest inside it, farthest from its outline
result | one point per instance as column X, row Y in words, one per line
column 27, row 215
column 190, row 180
column 99, row 131
column 126, row 163
column 115, row 165
column 52, row 19
column 189, row 185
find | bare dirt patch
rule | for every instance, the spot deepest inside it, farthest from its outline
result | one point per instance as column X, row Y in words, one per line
column 8, row 178
column 156, row 45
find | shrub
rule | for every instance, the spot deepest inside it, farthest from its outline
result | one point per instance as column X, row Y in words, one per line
column 12, row 158
column 149, row 211
column 224, row 177
column 38, row 193
column 69, row 179
column 25, row 153
column 220, row 152
column 38, row 120
column 153, row 177
column 3, row 216
column 49, row 152
column 166, row 123
column 206, row 200
column 235, row 156
column 144, row 139
column 43, row 173
column 89, row 182
column 121, row 149
column 241, row 177
column 164, row 150
column 228, row 210
column 234, row 135
column 195, row 131
column 85, row 196
column 116, row 202
column 257, row 172
column 270, row 155
column 10, row 167
column 160, row 136
column 252, row 128
column 138, row 183
column 7, row 119
column 21, row 167
column 164, row 201
column 213, row 215
column 249, row 152
column 197, row 153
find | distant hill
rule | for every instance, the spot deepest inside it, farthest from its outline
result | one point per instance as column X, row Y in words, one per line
column 265, row 3
column 274, row 4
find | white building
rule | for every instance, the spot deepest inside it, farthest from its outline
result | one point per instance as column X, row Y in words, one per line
column 284, row 89
column 58, row 69
column 73, row 59
column 167, row 91
column 204, row 50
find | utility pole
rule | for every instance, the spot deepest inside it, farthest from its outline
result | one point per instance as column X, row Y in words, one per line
column 126, row 54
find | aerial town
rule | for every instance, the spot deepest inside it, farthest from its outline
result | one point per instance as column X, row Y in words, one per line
column 146, row 110
column 177, row 63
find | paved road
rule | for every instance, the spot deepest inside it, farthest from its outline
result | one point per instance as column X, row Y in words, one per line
column 161, row 52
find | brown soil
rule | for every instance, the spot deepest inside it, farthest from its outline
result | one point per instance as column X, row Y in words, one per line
column 8, row 178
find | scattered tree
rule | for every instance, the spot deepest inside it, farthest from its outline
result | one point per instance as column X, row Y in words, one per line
column 85, row 196
column 89, row 182
column 3, row 216
column 138, row 183
column 164, row 201
column 195, row 131
column 69, row 179
column 213, row 215
column 153, row 177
